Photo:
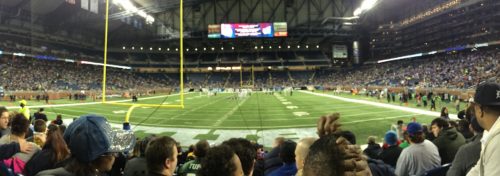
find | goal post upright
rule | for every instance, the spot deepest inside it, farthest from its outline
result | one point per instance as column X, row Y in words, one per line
column 132, row 106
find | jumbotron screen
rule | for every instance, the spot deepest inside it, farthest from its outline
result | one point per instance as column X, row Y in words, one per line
column 243, row 30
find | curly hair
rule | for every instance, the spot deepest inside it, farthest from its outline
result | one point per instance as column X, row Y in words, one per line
column 218, row 162
column 246, row 151
column 325, row 158
column 19, row 125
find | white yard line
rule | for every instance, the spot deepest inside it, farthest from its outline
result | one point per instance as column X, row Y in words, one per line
column 229, row 113
column 194, row 109
column 407, row 109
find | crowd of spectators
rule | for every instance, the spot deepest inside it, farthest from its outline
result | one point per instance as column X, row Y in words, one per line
column 462, row 71
column 90, row 146
column 33, row 74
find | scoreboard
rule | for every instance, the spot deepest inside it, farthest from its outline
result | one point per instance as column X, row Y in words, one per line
column 245, row 30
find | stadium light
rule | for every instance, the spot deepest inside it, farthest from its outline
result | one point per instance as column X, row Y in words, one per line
column 176, row 49
column 221, row 48
column 365, row 6
column 168, row 49
column 123, row 48
column 195, row 49
column 151, row 49
column 232, row 47
column 288, row 46
column 142, row 48
column 307, row 46
column 159, row 49
column 19, row 54
column 187, row 49
column 317, row 46
column 129, row 7
column 298, row 46
column 270, row 47
column 256, row 47
column 261, row 47
column 204, row 49
column 279, row 46
column 133, row 48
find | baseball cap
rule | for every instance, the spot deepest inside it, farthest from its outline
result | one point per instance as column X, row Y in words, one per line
column 413, row 128
column 391, row 138
column 91, row 136
column 488, row 94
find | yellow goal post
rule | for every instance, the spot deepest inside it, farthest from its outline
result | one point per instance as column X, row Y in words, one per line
column 181, row 70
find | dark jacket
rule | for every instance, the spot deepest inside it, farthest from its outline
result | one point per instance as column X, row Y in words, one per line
column 39, row 162
column 379, row 168
column 390, row 155
column 448, row 142
column 372, row 151
column 135, row 167
column 7, row 150
column 466, row 158
column 272, row 161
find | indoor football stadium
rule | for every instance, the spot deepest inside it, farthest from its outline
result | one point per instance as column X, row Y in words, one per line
column 249, row 87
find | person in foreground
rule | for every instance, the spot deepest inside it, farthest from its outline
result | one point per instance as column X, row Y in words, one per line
column 161, row 156
column 487, row 111
column 422, row 155
column 93, row 145
column 220, row 161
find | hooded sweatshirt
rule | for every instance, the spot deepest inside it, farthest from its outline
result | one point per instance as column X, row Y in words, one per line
column 448, row 142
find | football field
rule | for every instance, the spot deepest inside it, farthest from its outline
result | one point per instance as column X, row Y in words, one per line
column 259, row 116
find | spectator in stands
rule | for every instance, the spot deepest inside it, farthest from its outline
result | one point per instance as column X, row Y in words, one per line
column 420, row 156
column 93, row 145
column 39, row 136
column 246, row 151
column 161, row 156
column 137, row 166
column 301, row 153
column 444, row 113
column 184, row 156
column 41, row 115
column 24, row 110
column 463, row 128
column 221, row 161
column 287, row 155
column 390, row 154
column 428, row 133
column 53, row 153
column 373, row 149
column 467, row 155
column 448, row 139
column 331, row 156
column 487, row 111
column 191, row 167
column 19, row 128
column 272, row 160
column 4, row 121
column 58, row 120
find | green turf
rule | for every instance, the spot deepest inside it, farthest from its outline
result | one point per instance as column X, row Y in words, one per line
column 258, row 111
